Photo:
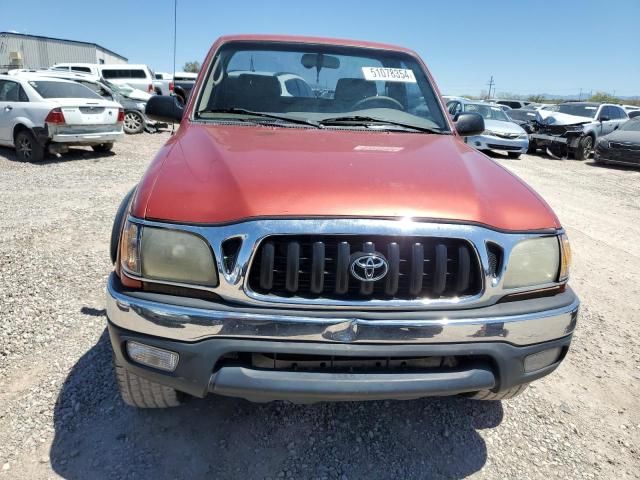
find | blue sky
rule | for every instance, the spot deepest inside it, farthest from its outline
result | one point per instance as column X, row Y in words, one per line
column 537, row 46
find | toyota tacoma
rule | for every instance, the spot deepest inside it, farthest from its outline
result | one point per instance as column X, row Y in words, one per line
column 344, row 245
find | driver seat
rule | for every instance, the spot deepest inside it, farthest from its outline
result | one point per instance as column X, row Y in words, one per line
column 352, row 90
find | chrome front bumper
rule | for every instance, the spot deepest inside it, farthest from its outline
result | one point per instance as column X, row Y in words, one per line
column 191, row 324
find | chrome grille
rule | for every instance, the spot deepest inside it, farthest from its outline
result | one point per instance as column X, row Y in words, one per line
column 318, row 266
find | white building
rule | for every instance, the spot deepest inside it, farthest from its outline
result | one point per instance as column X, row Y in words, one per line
column 19, row 50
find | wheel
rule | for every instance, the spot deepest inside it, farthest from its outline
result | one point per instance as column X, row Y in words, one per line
column 584, row 148
column 133, row 123
column 116, row 229
column 102, row 147
column 142, row 393
column 532, row 148
column 27, row 147
column 499, row 395
column 513, row 155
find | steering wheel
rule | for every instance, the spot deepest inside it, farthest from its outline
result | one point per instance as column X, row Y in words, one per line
column 393, row 103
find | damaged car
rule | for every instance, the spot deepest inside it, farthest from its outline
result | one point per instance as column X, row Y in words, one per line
column 572, row 129
column 621, row 147
column 501, row 133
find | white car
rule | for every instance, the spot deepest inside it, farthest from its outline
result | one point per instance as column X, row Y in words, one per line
column 138, row 76
column 501, row 133
column 40, row 115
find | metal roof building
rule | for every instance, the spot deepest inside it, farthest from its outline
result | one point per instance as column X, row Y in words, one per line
column 19, row 50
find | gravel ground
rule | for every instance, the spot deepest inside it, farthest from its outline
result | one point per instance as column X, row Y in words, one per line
column 61, row 416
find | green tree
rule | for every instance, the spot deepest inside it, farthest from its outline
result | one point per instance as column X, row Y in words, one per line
column 536, row 98
column 192, row 67
column 604, row 97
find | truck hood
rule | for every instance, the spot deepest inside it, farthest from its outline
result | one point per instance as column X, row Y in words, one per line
column 226, row 173
column 548, row 117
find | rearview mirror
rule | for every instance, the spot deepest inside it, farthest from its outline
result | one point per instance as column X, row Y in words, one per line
column 319, row 60
column 468, row 124
column 164, row 108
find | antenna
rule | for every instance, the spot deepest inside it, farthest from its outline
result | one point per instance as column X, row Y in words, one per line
column 175, row 29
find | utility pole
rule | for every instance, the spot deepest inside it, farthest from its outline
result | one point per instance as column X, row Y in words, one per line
column 491, row 84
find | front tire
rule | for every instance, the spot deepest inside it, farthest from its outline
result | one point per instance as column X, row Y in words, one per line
column 488, row 395
column 513, row 155
column 102, row 147
column 133, row 123
column 584, row 148
column 27, row 147
column 141, row 393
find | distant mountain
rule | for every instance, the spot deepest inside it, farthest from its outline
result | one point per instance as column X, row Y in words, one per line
column 585, row 95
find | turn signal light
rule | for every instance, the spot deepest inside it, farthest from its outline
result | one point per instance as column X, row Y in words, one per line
column 171, row 86
column 153, row 356
column 565, row 257
column 120, row 115
column 55, row 116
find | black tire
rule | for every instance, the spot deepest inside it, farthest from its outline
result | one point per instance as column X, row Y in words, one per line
column 499, row 395
column 513, row 155
column 27, row 147
column 118, row 223
column 133, row 122
column 532, row 148
column 141, row 393
column 102, row 147
column 584, row 148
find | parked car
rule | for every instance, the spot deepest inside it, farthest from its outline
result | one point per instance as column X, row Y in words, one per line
column 39, row 114
column 133, row 101
column 501, row 133
column 163, row 83
column 573, row 128
column 91, row 68
column 344, row 248
column 138, row 76
column 621, row 146
column 634, row 113
column 514, row 104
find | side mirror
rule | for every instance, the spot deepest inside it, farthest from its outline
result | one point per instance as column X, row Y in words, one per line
column 604, row 118
column 468, row 124
column 164, row 108
column 180, row 93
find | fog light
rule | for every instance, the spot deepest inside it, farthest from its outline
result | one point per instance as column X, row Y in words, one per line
column 541, row 359
column 152, row 356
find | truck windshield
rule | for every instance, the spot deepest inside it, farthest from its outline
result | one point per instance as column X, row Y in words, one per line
column 578, row 110
column 317, row 83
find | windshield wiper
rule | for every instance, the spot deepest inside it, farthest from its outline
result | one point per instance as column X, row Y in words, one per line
column 365, row 120
column 244, row 111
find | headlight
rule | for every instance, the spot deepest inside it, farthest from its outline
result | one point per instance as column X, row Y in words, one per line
column 167, row 255
column 533, row 262
column 489, row 132
column 523, row 135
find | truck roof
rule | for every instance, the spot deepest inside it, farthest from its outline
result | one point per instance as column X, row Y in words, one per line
column 305, row 39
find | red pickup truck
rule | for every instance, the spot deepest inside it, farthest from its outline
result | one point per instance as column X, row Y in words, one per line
column 318, row 230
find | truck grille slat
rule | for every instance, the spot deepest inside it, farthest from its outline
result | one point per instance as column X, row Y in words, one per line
column 319, row 266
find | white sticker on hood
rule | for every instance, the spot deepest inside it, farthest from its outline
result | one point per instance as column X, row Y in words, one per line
column 389, row 74
column 377, row 148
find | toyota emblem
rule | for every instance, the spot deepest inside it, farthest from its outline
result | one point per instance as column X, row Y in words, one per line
column 369, row 267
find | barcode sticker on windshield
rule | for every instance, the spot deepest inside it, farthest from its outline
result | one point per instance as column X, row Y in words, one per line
column 389, row 74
